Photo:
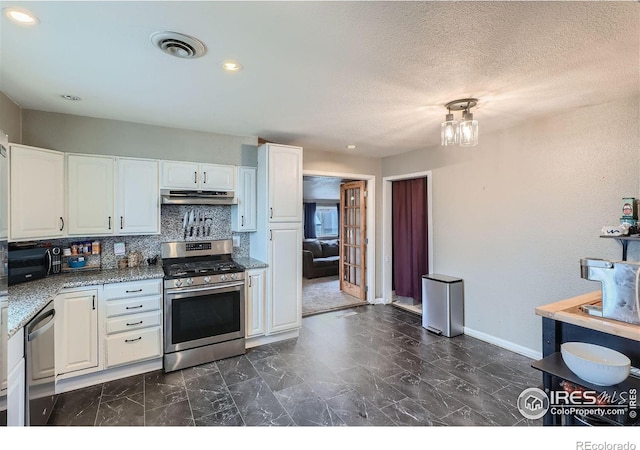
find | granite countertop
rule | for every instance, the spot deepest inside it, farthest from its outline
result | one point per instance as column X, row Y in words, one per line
column 26, row 299
column 250, row 263
column 568, row 310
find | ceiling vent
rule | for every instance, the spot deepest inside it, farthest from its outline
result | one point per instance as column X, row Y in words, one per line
column 177, row 44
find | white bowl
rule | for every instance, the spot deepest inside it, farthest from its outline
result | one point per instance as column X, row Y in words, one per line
column 595, row 364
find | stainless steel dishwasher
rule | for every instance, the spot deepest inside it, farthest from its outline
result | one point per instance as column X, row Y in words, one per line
column 40, row 367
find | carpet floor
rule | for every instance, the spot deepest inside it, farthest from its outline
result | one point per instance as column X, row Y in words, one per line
column 323, row 294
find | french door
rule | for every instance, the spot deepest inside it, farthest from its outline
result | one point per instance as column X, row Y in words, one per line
column 353, row 238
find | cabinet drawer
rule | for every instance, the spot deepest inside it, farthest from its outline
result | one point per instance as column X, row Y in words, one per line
column 134, row 305
column 132, row 289
column 134, row 322
column 123, row 348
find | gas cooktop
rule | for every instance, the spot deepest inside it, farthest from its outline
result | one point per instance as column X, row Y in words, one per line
column 201, row 268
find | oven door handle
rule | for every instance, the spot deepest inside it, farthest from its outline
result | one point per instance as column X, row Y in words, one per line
column 207, row 288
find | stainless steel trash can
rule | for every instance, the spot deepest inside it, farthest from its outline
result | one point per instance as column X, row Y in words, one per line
column 442, row 305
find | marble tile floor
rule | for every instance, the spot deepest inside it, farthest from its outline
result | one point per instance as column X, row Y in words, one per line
column 365, row 366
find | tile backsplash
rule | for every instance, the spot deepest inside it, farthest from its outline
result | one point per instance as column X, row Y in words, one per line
column 171, row 219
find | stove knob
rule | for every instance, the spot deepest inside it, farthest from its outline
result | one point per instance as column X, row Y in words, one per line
column 189, row 281
column 223, row 277
column 233, row 276
column 207, row 279
column 178, row 283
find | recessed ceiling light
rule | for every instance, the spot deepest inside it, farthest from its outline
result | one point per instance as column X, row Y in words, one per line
column 231, row 66
column 21, row 16
column 351, row 146
column 70, row 97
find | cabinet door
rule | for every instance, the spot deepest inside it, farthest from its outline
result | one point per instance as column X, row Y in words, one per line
column 255, row 302
column 285, row 183
column 76, row 330
column 4, row 185
column 243, row 216
column 90, row 195
column 15, row 395
column 218, row 177
column 36, row 193
column 138, row 197
column 179, row 175
column 284, row 307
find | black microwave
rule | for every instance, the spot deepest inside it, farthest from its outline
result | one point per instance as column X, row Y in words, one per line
column 33, row 263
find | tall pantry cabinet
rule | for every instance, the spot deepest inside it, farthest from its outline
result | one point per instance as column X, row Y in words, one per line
column 278, row 239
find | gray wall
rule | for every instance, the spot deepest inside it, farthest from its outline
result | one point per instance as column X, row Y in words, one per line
column 10, row 119
column 77, row 134
column 514, row 215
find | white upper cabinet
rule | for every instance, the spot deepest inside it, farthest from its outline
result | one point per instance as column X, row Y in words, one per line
column 90, row 195
column 137, row 199
column 285, row 183
column 36, row 193
column 243, row 215
column 180, row 175
column 188, row 175
column 218, row 177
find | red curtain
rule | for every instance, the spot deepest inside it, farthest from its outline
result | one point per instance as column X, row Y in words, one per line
column 410, row 244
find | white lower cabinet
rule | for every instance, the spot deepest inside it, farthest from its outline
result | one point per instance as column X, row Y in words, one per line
column 76, row 331
column 284, row 302
column 254, row 300
column 133, row 322
column 16, row 380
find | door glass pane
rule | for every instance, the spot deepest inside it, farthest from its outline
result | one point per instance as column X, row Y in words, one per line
column 357, row 277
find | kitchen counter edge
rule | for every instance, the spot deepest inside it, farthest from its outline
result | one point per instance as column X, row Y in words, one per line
column 250, row 263
column 26, row 299
column 568, row 310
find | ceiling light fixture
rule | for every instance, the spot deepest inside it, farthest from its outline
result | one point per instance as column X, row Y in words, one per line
column 351, row 146
column 464, row 133
column 70, row 97
column 231, row 66
column 21, row 16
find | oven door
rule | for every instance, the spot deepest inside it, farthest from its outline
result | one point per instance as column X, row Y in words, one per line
column 203, row 316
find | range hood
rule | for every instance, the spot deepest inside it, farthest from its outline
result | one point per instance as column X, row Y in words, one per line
column 187, row 197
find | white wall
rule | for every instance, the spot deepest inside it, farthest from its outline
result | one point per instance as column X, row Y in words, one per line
column 78, row 134
column 514, row 215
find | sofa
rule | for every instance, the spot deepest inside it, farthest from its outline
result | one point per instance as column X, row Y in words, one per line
column 320, row 257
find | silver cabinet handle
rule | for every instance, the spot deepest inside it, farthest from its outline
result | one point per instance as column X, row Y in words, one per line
column 109, row 222
column 93, row 302
column 132, row 324
column 271, row 213
column 242, row 222
column 205, row 177
column 121, row 222
column 137, row 290
column 133, row 307
column 195, row 177
column 61, row 224
column 133, row 340
column 271, row 235
column 250, row 281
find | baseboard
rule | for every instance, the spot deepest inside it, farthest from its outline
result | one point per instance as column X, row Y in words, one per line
column 103, row 376
column 525, row 351
column 262, row 340
column 379, row 301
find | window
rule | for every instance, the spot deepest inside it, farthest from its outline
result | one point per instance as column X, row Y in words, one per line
column 327, row 220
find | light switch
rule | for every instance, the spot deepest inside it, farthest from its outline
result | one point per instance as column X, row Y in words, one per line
column 236, row 241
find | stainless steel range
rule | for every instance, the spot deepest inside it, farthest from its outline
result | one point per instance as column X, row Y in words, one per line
column 204, row 305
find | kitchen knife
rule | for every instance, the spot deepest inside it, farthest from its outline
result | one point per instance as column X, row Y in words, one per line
column 191, row 223
column 184, row 221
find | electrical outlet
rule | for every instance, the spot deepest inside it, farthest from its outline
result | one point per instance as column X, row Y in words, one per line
column 118, row 248
column 236, row 241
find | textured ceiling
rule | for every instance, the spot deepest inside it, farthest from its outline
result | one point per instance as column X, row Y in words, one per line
column 324, row 74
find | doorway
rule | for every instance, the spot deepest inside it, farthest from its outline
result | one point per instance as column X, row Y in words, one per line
column 323, row 289
column 389, row 296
